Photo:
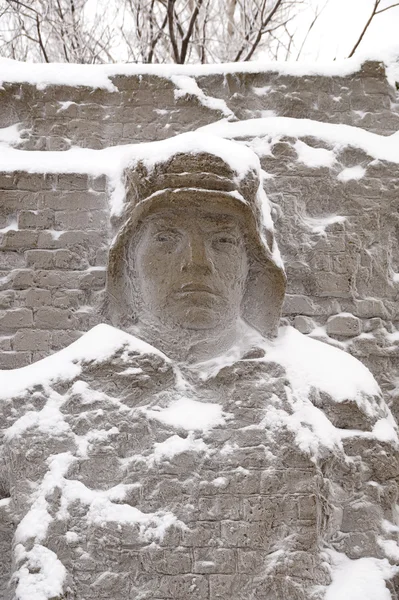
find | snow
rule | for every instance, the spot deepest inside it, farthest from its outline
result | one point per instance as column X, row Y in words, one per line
column 47, row 420
column 152, row 526
column 384, row 430
column 314, row 157
column 339, row 135
column 361, row 579
column 99, row 76
column 351, row 173
column 187, row 86
column 175, row 445
column 189, row 414
column 41, row 577
column 98, row 344
column 319, row 224
column 309, row 362
column 10, row 135
column 113, row 161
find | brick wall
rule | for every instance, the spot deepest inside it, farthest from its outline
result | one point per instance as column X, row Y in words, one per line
column 55, row 228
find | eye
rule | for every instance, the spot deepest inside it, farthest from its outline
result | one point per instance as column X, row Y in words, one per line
column 225, row 239
column 166, row 236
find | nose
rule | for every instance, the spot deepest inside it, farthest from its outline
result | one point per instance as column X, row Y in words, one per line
column 195, row 253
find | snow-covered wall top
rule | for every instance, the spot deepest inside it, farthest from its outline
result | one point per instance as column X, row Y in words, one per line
column 327, row 142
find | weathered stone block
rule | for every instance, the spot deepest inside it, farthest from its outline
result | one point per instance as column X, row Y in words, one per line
column 80, row 219
column 241, row 534
column 371, row 307
column 35, row 298
column 344, row 324
column 22, row 279
column 14, row 360
column 19, row 239
column 32, row 340
column 304, row 324
column 66, row 200
column 226, row 586
column 301, row 305
column 193, row 587
column 39, row 259
column 94, row 279
column 214, row 560
column 39, row 219
column 332, row 284
column 16, row 318
column 218, row 507
column 6, row 343
column 7, row 299
column 55, row 318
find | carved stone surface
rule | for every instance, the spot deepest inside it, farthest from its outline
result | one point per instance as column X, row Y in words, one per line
column 215, row 459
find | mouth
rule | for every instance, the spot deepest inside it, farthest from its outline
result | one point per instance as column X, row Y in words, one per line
column 191, row 288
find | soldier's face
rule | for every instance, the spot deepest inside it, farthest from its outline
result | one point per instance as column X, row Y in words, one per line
column 190, row 266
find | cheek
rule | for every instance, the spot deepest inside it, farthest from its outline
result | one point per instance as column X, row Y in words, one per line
column 154, row 271
column 233, row 270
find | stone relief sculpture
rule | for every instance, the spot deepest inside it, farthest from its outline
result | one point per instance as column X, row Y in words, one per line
column 193, row 450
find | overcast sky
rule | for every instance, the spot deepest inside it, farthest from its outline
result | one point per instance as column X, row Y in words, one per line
column 340, row 25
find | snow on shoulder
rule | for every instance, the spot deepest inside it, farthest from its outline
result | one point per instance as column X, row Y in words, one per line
column 98, row 344
column 311, row 363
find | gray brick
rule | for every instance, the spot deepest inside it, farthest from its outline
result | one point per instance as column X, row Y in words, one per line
column 21, row 279
column 31, row 339
column 332, row 284
column 241, row 534
column 214, row 560
column 16, row 318
column 62, row 339
column 40, row 219
column 65, row 259
column 99, row 184
column 14, row 360
column 7, row 299
column 193, row 587
column 81, row 219
column 72, row 181
column 19, row 239
column 14, row 200
column 35, row 298
column 72, row 200
column 6, row 343
column 68, row 298
column 55, row 318
column 344, row 324
column 6, row 181
column 93, row 279
column 39, row 259
column 218, row 507
column 304, row 324
column 371, row 307
column 34, row 181
column 227, row 586
column 299, row 305
column 166, row 562
column 57, row 279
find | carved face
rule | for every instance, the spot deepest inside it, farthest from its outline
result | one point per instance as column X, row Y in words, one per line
column 190, row 266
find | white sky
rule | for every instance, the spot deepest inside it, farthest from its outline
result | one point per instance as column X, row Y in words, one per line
column 340, row 25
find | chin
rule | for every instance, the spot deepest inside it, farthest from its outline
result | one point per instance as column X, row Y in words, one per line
column 198, row 318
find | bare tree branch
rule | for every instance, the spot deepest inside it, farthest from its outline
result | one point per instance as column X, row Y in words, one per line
column 172, row 30
column 378, row 12
column 372, row 15
column 190, row 30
